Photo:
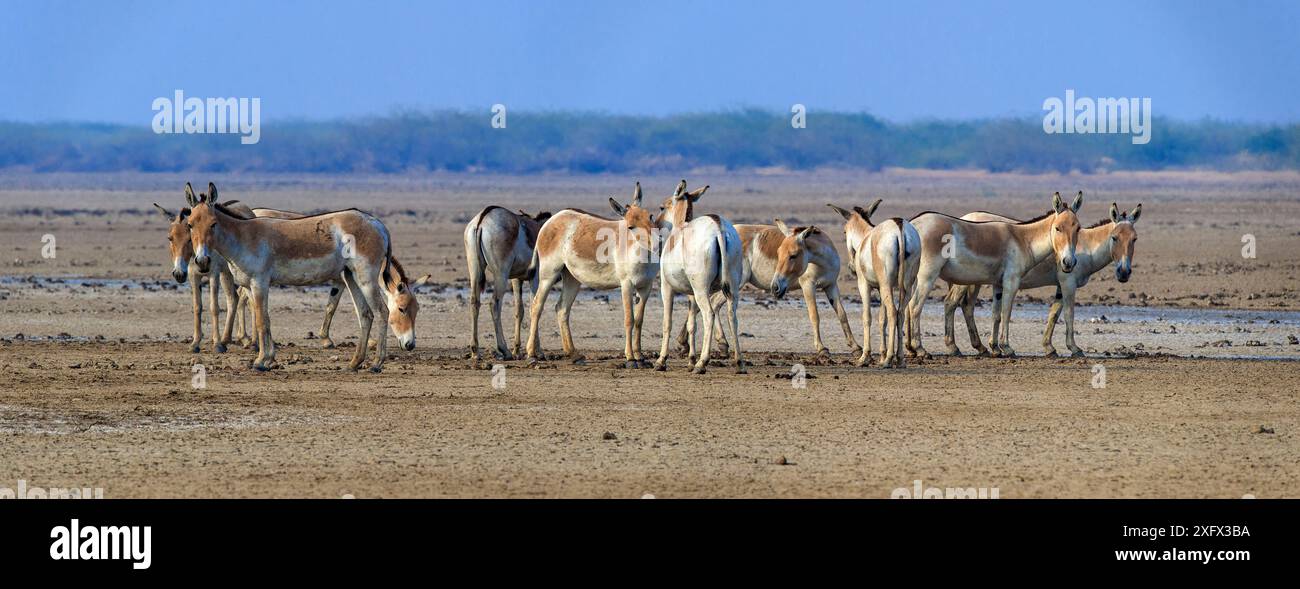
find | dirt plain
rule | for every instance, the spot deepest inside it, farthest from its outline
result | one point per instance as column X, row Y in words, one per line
column 1198, row 350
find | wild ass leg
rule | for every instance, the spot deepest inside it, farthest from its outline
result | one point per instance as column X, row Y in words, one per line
column 810, row 301
column 968, row 312
column 706, row 312
column 692, row 315
column 629, row 319
column 683, row 345
column 196, row 292
column 638, row 320
column 833, row 296
column 365, row 316
column 476, row 279
column 1010, row 284
column 926, row 277
column 332, row 305
column 994, row 350
column 864, row 290
column 518, row 286
column 723, row 348
column 260, row 299
column 732, row 301
column 666, row 295
column 1050, row 329
column 1068, row 303
column 379, row 307
column 232, row 306
column 951, row 301
column 568, row 293
column 214, row 299
column 499, row 284
column 535, row 314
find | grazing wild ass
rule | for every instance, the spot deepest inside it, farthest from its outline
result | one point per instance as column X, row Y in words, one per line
column 885, row 257
column 311, row 250
column 500, row 243
column 398, row 290
column 701, row 256
column 991, row 252
column 810, row 264
column 182, row 254
column 1110, row 240
column 582, row 249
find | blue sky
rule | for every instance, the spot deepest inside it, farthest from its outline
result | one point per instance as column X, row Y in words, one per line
column 107, row 61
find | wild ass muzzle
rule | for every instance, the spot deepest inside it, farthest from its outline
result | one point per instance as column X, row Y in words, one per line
column 1111, row 240
column 311, row 250
column 582, row 249
column 701, row 256
column 991, row 252
column 886, row 257
column 500, row 243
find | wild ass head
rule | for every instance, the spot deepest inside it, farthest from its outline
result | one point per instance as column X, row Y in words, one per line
column 202, row 223
column 680, row 207
column 641, row 226
column 1065, row 230
column 857, row 223
column 178, row 241
column 399, row 293
column 1123, row 240
column 792, row 256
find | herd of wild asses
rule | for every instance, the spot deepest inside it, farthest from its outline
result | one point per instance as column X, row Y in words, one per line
column 703, row 256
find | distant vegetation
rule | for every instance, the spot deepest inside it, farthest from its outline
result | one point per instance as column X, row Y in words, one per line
column 536, row 142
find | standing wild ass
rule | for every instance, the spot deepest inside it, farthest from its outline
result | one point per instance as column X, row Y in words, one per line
column 811, row 264
column 991, row 252
column 885, row 257
column 1110, row 240
column 500, row 243
column 583, row 249
column 311, row 250
column 701, row 256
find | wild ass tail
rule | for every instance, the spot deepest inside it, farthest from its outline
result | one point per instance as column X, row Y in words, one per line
column 723, row 268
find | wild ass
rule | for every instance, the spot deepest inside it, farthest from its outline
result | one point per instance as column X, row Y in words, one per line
column 583, row 249
column 812, row 264
column 399, row 290
column 311, row 250
column 991, row 252
column 500, row 243
column 885, row 257
column 701, row 256
column 182, row 254
column 1110, row 240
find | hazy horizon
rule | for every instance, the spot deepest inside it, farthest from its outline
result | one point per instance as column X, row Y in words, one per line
column 105, row 63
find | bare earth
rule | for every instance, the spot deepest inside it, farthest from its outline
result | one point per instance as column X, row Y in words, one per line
column 1198, row 352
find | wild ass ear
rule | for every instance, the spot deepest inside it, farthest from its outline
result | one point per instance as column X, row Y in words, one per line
column 1114, row 213
column 872, row 209
column 212, row 192
column 542, row 216
column 425, row 280
column 1137, row 212
column 1078, row 202
column 164, row 212
column 1057, row 204
column 618, row 208
column 843, row 213
column 784, row 230
column 636, row 194
column 190, row 199
column 805, row 233
column 681, row 189
column 697, row 193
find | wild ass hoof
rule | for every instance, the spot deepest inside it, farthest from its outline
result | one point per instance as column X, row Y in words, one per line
column 1076, row 353
column 698, row 369
column 683, row 352
column 954, row 351
column 661, row 365
column 502, row 355
column 984, row 353
column 1050, row 352
column 325, row 343
column 220, row 348
column 194, row 349
column 1008, row 352
column 863, row 360
column 377, row 368
column 740, row 368
column 856, row 351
